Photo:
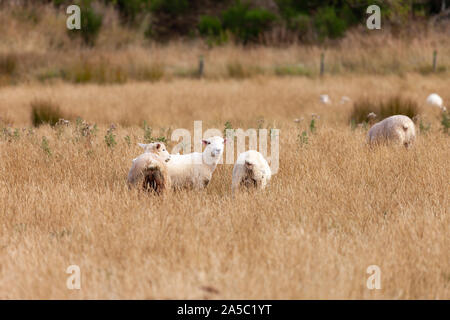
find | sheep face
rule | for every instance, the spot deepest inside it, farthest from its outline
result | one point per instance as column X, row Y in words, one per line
column 213, row 148
column 158, row 148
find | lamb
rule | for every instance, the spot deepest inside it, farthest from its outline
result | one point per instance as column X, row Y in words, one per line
column 250, row 170
column 194, row 170
column 150, row 168
column 398, row 128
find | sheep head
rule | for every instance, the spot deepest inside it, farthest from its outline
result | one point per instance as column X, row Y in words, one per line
column 213, row 149
column 157, row 148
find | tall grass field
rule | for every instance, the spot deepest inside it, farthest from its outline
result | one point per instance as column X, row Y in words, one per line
column 334, row 208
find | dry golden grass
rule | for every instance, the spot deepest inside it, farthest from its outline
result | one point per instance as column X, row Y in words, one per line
column 334, row 208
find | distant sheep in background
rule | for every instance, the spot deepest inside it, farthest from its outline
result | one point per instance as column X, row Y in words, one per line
column 398, row 129
column 150, row 168
column 251, row 170
column 435, row 100
column 194, row 170
column 325, row 99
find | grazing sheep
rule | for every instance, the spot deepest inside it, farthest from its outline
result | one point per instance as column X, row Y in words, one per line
column 398, row 128
column 435, row 100
column 150, row 168
column 250, row 170
column 325, row 99
column 194, row 170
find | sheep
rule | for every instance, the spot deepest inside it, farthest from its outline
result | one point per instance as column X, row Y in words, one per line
column 398, row 128
column 150, row 168
column 194, row 170
column 435, row 100
column 325, row 99
column 250, row 170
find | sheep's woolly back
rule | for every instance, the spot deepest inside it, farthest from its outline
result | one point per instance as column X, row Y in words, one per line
column 250, row 170
column 187, row 171
column 399, row 129
column 149, row 171
column 435, row 100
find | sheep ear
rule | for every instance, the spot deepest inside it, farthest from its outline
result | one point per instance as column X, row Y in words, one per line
column 158, row 146
column 142, row 145
column 224, row 141
column 205, row 142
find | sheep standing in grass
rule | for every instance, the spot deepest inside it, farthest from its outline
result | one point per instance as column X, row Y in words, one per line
column 194, row 170
column 399, row 129
column 435, row 100
column 150, row 168
column 250, row 170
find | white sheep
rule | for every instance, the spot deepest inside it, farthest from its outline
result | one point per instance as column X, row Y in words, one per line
column 194, row 170
column 398, row 128
column 150, row 168
column 250, row 170
column 325, row 99
column 435, row 100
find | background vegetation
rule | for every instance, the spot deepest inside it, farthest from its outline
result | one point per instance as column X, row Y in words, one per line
column 246, row 20
column 141, row 40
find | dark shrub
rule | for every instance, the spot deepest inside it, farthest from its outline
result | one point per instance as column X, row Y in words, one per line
column 398, row 105
column 328, row 24
column 383, row 109
column 245, row 23
column 91, row 22
column 130, row 10
column 445, row 121
column 173, row 7
column 8, row 64
column 170, row 18
column 45, row 112
column 302, row 25
column 210, row 26
column 361, row 108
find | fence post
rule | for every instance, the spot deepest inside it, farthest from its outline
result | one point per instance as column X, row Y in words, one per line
column 434, row 60
column 322, row 64
column 201, row 64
